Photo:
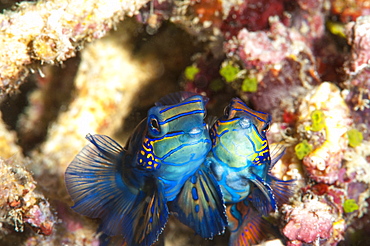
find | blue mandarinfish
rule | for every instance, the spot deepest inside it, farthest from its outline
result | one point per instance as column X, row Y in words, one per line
column 128, row 188
column 241, row 162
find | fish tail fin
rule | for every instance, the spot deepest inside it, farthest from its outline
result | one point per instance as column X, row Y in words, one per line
column 247, row 225
column 94, row 182
column 200, row 204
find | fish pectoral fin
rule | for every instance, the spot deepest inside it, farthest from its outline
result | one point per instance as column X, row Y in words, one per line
column 148, row 216
column 96, row 186
column 282, row 190
column 200, row 204
column 247, row 225
column 262, row 197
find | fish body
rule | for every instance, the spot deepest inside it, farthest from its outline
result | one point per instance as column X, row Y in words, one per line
column 128, row 188
column 171, row 143
column 241, row 162
column 240, row 150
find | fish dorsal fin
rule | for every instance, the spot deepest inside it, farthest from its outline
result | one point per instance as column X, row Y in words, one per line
column 177, row 97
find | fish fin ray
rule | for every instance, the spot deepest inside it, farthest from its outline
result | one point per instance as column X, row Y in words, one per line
column 262, row 196
column 276, row 152
column 96, row 186
column 92, row 179
column 149, row 215
column 206, row 215
column 282, row 189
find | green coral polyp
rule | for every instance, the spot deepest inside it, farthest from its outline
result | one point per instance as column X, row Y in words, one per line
column 350, row 206
column 355, row 137
column 229, row 72
column 250, row 84
column 191, row 72
column 302, row 149
column 317, row 120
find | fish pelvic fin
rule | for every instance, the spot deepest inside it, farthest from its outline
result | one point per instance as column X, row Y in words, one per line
column 95, row 183
column 200, row 204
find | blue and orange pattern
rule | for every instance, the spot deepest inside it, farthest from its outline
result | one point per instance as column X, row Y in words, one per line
column 241, row 162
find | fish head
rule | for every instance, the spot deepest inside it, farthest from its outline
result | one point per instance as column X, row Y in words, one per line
column 177, row 133
column 239, row 137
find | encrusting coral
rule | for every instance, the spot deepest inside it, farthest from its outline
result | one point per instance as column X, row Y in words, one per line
column 52, row 31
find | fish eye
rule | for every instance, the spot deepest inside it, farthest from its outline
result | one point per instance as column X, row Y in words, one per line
column 227, row 111
column 154, row 125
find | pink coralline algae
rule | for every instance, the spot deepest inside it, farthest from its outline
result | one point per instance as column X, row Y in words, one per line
column 358, row 34
column 312, row 221
column 357, row 86
column 282, row 62
column 253, row 15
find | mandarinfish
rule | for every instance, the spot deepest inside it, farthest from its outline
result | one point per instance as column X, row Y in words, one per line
column 128, row 188
column 241, row 162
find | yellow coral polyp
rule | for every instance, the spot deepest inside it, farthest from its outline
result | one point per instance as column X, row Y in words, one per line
column 302, row 149
column 355, row 137
column 317, row 120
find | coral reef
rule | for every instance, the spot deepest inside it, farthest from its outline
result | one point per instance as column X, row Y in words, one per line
column 21, row 205
column 274, row 54
column 312, row 221
column 51, row 32
column 330, row 140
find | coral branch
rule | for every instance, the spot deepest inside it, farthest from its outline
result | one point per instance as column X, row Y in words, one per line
column 52, row 31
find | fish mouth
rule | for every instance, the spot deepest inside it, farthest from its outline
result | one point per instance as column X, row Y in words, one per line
column 193, row 135
column 195, row 132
